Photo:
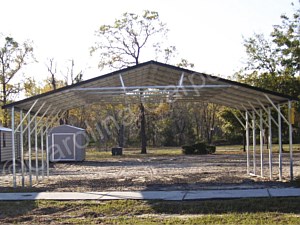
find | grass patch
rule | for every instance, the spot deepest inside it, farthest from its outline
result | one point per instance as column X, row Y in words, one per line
column 239, row 211
column 239, row 148
column 93, row 155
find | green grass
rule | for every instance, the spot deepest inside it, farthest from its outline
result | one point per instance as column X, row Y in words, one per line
column 94, row 155
column 239, row 148
column 239, row 211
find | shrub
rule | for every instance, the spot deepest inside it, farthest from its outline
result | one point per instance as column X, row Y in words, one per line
column 198, row 149
column 211, row 149
column 188, row 150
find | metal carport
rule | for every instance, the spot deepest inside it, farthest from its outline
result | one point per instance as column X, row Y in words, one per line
column 153, row 82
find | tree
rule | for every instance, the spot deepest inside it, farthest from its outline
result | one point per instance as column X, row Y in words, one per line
column 56, row 83
column 184, row 63
column 32, row 88
column 13, row 57
column 262, row 55
column 121, row 45
column 52, row 69
column 274, row 63
column 73, row 77
column 231, row 126
column 287, row 38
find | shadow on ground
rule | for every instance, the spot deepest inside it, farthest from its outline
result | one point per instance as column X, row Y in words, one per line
column 277, row 205
column 55, row 212
column 130, row 184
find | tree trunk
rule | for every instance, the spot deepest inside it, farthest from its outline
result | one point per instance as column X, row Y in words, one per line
column 66, row 117
column 53, row 83
column 266, row 139
column 143, row 129
column 121, row 136
column 4, row 101
column 210, row 136
column 154, row 138
column 5, row 118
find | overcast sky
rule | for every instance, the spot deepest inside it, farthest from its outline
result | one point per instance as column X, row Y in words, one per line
column 208, row 33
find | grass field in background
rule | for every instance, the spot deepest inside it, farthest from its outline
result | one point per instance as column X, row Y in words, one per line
column 94, row 154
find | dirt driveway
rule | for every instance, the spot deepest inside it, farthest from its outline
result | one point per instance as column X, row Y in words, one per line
column 177, row 172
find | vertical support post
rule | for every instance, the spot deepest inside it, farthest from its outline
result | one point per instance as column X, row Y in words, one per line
column 270, row 144
column 29, row 152
column 254, row 143
column 47, row 150
column 261, row 143
column 279, row 144
column 13, row 146
column 22, row 147
column 42, row 150
column 36, row 152
column 247, row 142
column 290, row 139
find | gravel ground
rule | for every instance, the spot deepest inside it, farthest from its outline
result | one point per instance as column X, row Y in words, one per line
column 217, row 171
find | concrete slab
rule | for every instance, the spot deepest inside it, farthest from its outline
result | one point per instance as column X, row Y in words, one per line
column 154, row 195
column 71, row 195
column 285, row 192
column 51, row 196
column 139, row 195
column 226, row 194
column 146, row 195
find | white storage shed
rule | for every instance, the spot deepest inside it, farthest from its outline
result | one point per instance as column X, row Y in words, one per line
column 6, row 144
column 66, row 143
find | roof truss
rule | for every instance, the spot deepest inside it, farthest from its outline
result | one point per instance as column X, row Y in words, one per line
column 152, row 82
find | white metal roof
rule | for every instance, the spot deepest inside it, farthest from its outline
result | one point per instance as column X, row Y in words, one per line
column 152, row 82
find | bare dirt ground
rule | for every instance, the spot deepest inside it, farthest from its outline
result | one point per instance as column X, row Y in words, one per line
column 178, row 172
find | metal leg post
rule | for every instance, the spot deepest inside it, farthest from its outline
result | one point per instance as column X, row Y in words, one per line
column 13, row 146
column 29, row 152
column 22, row 148
column 247, row 142
column 42, row 150
column 47, row 151
column 270, row 144
column 279, row 144
column 36, row 152
column 261, row 144
column 290, row 139
column 254, row 143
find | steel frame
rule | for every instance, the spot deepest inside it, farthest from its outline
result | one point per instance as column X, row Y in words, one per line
column 30, row 131
column 252, row 109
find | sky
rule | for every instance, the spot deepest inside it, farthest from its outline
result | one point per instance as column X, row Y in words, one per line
column 209, row 33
